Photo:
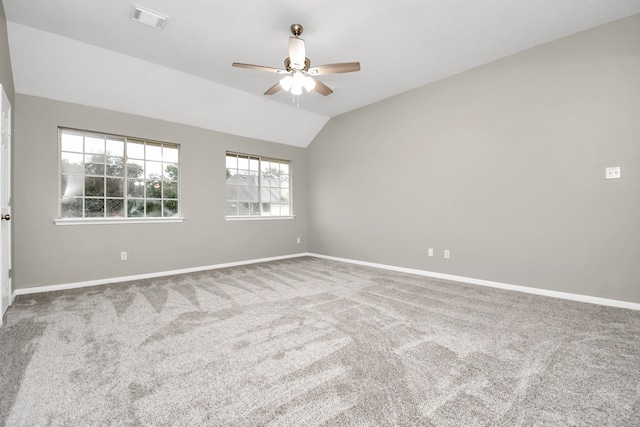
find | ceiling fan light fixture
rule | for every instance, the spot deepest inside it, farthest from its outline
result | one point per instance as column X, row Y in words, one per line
column 309, row 84
column 286, row 83
column 296, row 90
column 299, row 81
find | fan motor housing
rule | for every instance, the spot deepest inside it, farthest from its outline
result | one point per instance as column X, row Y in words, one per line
column 287, row 64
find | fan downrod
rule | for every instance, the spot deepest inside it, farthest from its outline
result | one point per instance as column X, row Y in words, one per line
column 296, row 29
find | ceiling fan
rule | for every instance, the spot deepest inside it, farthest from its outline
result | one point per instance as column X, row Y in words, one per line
column 298, row 73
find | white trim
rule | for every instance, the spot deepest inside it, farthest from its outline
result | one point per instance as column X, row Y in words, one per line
column 257, row 217
column 526, row 289
column 499, row 285
column 102, row 221
column 52, row 288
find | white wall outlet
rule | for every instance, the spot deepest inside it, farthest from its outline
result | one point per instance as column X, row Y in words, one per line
column 123, row 256
column 612, row 172
column 447, row 255
column 298, row 240
column 430, row 251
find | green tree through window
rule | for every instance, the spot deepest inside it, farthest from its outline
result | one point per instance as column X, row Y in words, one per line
column 109, row 176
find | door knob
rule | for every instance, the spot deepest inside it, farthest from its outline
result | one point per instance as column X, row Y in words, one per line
column 6, row 217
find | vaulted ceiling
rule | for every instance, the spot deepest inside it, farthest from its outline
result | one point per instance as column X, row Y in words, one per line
column 91, row 52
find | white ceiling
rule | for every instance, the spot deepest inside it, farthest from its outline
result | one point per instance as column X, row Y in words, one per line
column 91, row 52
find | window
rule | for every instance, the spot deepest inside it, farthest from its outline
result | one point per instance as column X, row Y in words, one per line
column 109, row 176
column 258, row 186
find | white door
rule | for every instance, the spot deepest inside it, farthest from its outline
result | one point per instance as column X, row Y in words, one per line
column 5, row 205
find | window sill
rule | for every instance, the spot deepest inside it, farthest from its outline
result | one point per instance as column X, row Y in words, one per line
column 102, row 221
column 257, row 218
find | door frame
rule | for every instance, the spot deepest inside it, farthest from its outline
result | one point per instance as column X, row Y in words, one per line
column 6, row 297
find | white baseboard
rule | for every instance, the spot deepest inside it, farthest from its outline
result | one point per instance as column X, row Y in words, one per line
column 526, row 289
column 51, row 288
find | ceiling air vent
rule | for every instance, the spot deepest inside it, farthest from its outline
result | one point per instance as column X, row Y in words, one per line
column 149, row 17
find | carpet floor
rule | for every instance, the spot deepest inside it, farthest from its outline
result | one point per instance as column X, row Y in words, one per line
column 313, row 342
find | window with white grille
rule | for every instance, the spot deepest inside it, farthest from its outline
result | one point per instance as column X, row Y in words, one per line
column 111, row 176
column 258, row 186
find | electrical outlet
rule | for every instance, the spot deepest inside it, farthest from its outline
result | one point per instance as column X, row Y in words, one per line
column 123, row 256
column 298, row 240
column 447, row 254
column 430, row 251
column 612, row 172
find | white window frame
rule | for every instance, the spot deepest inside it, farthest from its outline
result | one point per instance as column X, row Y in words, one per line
column 83, row 175
column 280, row 192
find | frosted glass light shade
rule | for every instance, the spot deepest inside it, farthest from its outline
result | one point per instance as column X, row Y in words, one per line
column 295, row 82
column 309, row 84
column 286, row 83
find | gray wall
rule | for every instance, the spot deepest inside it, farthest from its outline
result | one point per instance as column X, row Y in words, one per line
column 47, row 254
column 503, row 165
column 6, row 76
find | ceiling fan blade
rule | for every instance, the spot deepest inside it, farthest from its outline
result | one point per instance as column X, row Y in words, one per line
column 321, row 88
column 343, row 67
column 273, row 89
column 259, row 68
column 296, row 52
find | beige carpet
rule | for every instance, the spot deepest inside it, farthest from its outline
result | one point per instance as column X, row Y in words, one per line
column 307, row 342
